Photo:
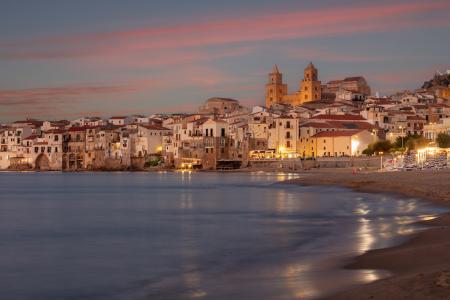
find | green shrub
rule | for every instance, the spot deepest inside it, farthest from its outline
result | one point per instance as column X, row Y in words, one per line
column 443, row 140
column 152, row 163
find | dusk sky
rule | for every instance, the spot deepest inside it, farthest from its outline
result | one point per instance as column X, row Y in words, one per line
column 65, row 58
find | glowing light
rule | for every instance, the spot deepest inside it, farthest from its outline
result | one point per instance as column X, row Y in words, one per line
column 355, row 144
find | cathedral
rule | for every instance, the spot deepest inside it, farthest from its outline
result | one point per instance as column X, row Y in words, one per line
column 309, row 88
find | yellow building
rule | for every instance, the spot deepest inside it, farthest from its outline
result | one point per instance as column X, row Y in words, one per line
column 336, row 143
column 309, row 88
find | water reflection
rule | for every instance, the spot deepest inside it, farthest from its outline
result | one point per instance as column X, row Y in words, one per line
column 186, row 201
column 365, row 234
column 286, row 202
column 189, row 235
column 298, row 282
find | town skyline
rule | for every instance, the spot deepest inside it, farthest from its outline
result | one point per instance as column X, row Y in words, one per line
column 148, row 58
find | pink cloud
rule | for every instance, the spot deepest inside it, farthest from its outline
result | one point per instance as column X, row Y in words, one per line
column 325, row 55
column 54, row 94
column 277, row 26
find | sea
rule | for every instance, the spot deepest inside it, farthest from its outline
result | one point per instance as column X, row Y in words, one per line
column 190, row 235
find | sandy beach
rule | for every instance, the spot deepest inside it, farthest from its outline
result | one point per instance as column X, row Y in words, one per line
column 421, row 266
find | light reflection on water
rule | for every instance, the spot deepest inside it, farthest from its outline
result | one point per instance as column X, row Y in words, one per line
column 188, row 235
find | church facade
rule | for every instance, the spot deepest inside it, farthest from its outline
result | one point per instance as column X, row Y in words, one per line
column 309, row 88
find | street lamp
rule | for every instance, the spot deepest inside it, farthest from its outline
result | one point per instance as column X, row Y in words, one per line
column 401, row 128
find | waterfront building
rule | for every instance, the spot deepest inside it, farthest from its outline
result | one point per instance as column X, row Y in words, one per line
column 340, row 143
column 149, row 140
column 283, row 136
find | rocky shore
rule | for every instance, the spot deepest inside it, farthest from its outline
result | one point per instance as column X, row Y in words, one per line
column 421, row 266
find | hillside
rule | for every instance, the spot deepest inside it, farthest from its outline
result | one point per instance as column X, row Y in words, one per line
column 437, row 80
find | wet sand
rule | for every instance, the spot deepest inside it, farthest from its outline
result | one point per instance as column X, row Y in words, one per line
column 421, row 266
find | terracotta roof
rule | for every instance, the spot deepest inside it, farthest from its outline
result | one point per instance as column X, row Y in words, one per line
column 34, row 122
column 352, row 125
column 56, row 131
column 201, row 121
column 415, row 118
column 81, row 128
column 40, row 143
column 153, row 127
column 31, row 137
column 317, row 125
column 339, row 117
column 117, row 118
column 336, row 133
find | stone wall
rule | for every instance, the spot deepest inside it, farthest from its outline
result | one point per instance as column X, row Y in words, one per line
column 137, row 163
column 329, row 162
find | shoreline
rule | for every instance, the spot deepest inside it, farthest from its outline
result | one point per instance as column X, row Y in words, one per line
column 420, row 267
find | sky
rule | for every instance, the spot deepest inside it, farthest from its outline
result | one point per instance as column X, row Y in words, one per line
column 63, row 59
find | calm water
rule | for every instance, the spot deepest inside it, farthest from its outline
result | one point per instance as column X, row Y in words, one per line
column 187, row 236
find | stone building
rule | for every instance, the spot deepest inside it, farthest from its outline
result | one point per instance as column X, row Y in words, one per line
column 309, row 88
column 220, row 106
column 356, row 84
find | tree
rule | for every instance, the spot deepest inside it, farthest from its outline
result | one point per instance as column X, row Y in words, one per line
column 411, row 141
column 382, row 146
column 416, row 142
column 377, row 147
column 443, row 140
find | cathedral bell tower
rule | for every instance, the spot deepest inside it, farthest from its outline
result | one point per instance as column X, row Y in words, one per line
column 310, row 86
column 275, row 89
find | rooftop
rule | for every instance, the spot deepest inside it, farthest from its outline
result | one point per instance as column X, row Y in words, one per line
column 336, row 133
column 339, row 117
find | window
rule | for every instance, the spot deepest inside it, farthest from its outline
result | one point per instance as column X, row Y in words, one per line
column 222, row 132
column 36, row 149
column 49, row 149
column 288, row 144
